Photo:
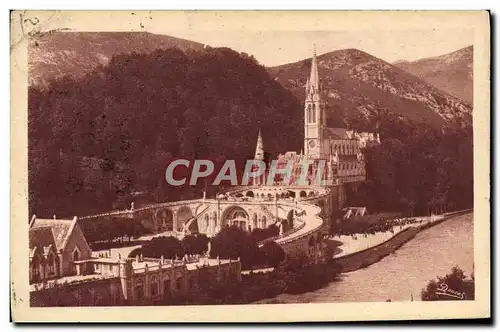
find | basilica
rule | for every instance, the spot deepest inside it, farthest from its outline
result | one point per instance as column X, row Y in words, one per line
column 340, row 149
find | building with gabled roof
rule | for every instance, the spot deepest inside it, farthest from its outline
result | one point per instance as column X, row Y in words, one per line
column 341, row 149
column 55, row 244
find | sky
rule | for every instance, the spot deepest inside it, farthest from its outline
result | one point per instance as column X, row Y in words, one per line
column 273, row 48
column 279, row 37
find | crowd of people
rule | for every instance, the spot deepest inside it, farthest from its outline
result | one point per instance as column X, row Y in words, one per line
column 358, row 228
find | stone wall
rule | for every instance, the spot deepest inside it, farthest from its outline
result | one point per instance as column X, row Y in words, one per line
column 135, row 287
column 104, row 292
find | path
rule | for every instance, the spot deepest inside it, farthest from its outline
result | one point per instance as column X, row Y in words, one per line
column 350, row 245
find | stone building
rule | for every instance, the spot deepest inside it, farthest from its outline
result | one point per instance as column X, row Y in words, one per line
column 55, row 245
column 340, row 149
column 140, row 281
column 63, row 271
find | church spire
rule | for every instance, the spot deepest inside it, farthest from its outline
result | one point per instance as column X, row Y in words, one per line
column 259, row 150
column 314, row 77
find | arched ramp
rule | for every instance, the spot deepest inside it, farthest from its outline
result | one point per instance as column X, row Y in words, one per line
column 183, row 215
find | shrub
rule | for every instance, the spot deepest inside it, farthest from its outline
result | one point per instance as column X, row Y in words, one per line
column 452, row 287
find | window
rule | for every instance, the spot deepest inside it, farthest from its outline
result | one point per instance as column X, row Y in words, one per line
column 166, row 286
column 206, row 222
column 154, row 287
column 139, row 289
column 192, row 283
column 51, row 264
column 35, row 268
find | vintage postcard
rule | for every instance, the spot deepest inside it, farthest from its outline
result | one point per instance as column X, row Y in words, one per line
column 203, row 166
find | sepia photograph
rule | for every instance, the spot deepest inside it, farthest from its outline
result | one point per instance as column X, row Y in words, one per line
column 208, row 162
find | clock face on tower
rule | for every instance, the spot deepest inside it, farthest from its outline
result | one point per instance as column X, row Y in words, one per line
column 312, row 144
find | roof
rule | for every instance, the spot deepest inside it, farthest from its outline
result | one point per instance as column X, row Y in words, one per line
column 336, row 133
column 347, row 158
column 60, row 228
column 41, row 237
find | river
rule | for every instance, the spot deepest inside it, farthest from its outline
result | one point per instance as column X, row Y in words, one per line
column 403, row 274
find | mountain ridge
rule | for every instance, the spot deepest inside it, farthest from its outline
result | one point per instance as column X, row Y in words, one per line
column 360, row 84
column 451, row 72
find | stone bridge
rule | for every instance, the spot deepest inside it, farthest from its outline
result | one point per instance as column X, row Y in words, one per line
column 295, row 210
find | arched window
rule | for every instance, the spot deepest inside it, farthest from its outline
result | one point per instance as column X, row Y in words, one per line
column 313, row 113
column 154, row 287
column 178, row 283
column 191, row 283
column 76, row 255
column 139, row 289
column 51, row 264
column 206, row 222
column 214, row 215
column 263, row 222
column 166, row 285
column 35, row 268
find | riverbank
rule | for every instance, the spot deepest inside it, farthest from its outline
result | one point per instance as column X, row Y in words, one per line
column 402, row 275
column 356, row 260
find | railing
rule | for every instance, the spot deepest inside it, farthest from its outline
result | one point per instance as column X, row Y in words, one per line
column 157, row 266
column 285, row 234
column 281, row 202
column 107, row 214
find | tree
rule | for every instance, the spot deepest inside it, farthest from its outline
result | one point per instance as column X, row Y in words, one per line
column 273, row 254
column 195, row 244
column 167, row 246
column 452, row 287
column 97, row 139
column 233, row 242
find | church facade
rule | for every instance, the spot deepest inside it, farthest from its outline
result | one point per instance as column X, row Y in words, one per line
column 340, row 149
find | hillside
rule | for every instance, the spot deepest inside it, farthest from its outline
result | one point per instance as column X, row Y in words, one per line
column 450, row 72
column 55, row 54
column 360, row 87
column 112, row 132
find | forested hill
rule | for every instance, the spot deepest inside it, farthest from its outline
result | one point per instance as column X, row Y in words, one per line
column 55, row 54
column 95, row 141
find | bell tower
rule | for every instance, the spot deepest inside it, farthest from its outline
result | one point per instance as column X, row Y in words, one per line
column 314, row 113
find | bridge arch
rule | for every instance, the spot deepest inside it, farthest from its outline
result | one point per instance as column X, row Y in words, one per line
column 165, row 220
column 183, row 214
column 235, row 215
column 146, row 219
